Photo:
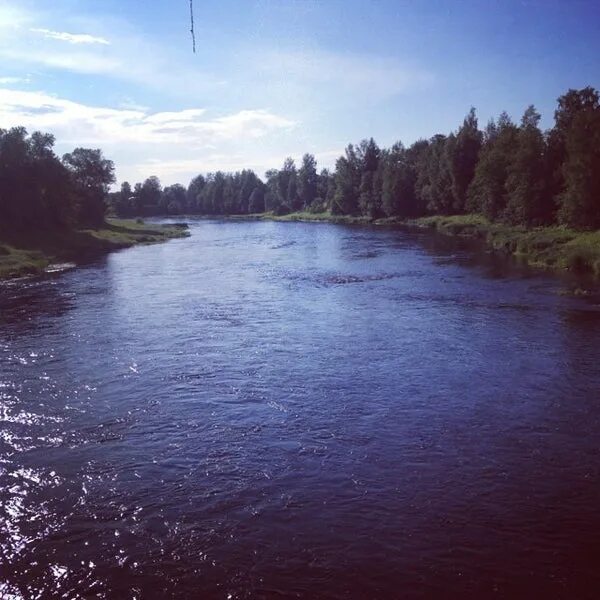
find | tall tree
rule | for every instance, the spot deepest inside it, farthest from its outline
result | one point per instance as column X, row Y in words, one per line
column 487, row 192
column 580, row 201
column 526, row 202
column 347, row 182
column 570, row 105
column 194, row 190
column 463, row 154
column 91, row 174
column 433, row 187
column 173, row 199
column 370, row 185
column 307, row 180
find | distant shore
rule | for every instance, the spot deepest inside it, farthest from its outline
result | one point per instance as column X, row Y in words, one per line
column 31, row 254
column 551, row 248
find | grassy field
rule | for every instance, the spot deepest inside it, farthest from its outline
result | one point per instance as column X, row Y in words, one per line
column 32, row 253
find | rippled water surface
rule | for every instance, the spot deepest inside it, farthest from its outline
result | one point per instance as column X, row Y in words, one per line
column 298, row 410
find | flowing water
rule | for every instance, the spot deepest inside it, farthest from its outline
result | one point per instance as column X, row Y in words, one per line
column 273, row 410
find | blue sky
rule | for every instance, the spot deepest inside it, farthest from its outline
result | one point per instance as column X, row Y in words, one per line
column 277, row 78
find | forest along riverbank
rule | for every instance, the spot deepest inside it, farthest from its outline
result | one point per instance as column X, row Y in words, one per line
column 551, row 248
column 36, row 252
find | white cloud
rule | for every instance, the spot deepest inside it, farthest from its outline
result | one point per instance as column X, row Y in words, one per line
column 13, row 17
column 80, row 123
column 142, row 142
column 71, row 38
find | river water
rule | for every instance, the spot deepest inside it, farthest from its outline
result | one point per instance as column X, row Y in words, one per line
column 274, row 410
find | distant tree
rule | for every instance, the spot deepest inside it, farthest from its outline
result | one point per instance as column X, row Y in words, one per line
column 307, row 180
column 272, row 200
column 347, row 172
column 173, row 199
column 463, row 153
column 398, row 184
column 325, row 190
column 369, row 191
column 149, row 196
column 248, row 182
column 123, row 201
column 569, row 106
column 526, row 203
column 194, row 190
column 487, row 193
column 91, row 175
column 434, row 182
column 286, row 184
column 256, row 203
column 580, row 201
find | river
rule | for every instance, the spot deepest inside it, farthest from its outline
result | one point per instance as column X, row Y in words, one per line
column 273, row 410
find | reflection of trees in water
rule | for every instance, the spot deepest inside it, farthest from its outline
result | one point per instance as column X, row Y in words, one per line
column 470, row 252
column 22, row 303
column 581, row 341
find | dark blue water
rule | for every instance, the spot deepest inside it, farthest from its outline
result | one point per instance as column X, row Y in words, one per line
column 274, row 410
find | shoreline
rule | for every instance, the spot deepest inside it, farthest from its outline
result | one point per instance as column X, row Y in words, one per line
column 36, row 253
column 552, row 248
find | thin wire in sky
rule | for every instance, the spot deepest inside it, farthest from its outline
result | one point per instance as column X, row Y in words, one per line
column 192, row 26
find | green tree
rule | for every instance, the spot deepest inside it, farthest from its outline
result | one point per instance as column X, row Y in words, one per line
column 123, row 201
column 193, row 200
column 463, row 153
column 434, row 182
column 307, row 180
column 149, row 196
column 580, row 201
column 526, row 202
column 369, row 191
column 347, row 181
column 398, row 185
column 173, row 200
column 91, row 175
column 487, row 192
column 256, row 203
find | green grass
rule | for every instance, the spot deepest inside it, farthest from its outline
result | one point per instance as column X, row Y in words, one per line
column 23, row 254
column 545, row 247
column 322, row 217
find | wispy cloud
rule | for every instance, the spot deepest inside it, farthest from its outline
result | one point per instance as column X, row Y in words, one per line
column 139, row 139
column 71, row 38
column 110, row 47
column 81, row 123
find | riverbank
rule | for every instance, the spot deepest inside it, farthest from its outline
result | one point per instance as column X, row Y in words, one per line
column 555, row 248
column 36, row 252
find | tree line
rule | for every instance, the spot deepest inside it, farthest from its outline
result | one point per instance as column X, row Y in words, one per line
column 39, row 190
column 509, row 172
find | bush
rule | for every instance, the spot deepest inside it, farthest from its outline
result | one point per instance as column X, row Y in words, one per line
column 317, row 206
column 281, row 210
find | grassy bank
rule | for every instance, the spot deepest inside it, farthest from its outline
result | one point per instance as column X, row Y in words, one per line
column 545, row 247
column 322, row 217
column 35, row 252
